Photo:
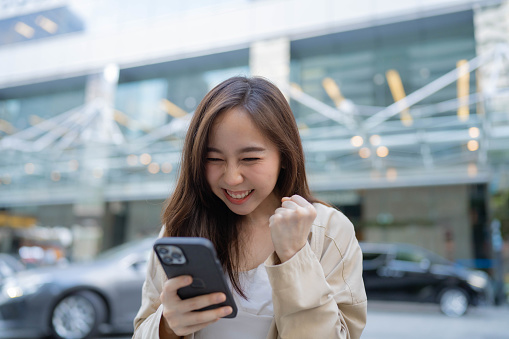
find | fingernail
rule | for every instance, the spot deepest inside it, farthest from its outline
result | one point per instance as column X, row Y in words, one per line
column 220, row 298
column 227, row 310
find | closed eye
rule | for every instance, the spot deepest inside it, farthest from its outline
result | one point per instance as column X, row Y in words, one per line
column 213, row 159
column 251, row 159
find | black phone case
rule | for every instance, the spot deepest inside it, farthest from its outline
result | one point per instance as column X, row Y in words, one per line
column 201, row 264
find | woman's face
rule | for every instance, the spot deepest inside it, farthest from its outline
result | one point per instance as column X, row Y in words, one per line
column 242, row 165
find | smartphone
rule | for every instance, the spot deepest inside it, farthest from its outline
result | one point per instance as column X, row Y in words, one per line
column 196, row 257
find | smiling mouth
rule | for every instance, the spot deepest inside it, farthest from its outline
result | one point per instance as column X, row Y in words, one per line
column 238, row 195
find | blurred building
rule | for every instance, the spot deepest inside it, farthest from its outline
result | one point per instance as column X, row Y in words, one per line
column 402, row 108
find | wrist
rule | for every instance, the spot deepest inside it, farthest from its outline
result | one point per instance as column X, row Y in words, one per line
column 287, row 254
column 284, row 256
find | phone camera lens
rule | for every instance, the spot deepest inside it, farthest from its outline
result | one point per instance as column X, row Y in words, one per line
column 163, row 250
column 168, row 260
column 176, row 255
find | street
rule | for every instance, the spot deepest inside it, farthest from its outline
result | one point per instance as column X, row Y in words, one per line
column 391, row 320
column 395, row 320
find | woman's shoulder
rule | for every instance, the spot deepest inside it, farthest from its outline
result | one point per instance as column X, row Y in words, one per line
column 332, row 229
column 331, row 220
column 324, row 213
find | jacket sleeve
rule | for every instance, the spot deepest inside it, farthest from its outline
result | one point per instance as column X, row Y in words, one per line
column 321, row 297
column 146, row 322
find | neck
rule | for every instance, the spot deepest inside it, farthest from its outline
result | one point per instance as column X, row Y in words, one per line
column 260, row 217
column 256, row 247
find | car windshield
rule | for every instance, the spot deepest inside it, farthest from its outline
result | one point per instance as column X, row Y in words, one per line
column 125, row 249
column 417, row 254
column 9, row 265
column 371, row 256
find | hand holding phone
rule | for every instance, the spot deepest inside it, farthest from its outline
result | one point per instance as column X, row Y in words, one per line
column 196, row 293
column 180, row 317
column 195, row 257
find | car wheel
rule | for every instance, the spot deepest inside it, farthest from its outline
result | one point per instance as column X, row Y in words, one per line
column 77, row 316
column 453, row 302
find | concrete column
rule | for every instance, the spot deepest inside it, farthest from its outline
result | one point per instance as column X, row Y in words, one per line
column 491, row 25
column 89, row 210
column 271, row 59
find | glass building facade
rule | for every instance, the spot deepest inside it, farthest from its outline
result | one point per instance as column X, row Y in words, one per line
column 345, row 70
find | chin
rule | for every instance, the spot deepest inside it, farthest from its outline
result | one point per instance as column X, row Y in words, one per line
column 238, row 210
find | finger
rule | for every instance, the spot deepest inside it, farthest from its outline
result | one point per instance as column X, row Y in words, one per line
column 286, row 199
column 301, row 201
column 199, row 302
column 173, row 284
column 281, row 211
column 289, row 204
column 178, row 282
column 204, row 317
column 196, row 328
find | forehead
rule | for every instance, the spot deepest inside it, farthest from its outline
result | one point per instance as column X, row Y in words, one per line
column 235, row 127
column 232, row 113
column 235, row 119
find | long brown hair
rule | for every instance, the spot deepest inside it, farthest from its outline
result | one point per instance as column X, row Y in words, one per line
column 193, row 210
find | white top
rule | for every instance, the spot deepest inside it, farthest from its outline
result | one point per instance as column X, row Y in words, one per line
column 254, row 315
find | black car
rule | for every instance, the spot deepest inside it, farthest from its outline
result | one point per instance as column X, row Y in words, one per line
column 77, row 301
column 405, row 272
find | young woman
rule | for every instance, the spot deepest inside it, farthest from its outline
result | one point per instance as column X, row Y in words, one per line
column 294, row 263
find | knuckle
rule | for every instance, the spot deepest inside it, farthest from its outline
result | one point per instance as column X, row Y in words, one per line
column 300, row 212
column 182, row 280
column 193, row 304
column 201, row 317
column 169, row 314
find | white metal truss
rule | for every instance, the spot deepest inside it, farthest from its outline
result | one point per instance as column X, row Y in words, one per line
column 433, row 150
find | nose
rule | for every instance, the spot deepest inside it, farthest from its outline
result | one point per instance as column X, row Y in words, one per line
column 233, row 175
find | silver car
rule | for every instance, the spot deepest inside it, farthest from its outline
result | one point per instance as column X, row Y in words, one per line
column 79, row 300
column 9, row 265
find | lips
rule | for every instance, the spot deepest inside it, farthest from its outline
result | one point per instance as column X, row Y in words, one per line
column 237, row 197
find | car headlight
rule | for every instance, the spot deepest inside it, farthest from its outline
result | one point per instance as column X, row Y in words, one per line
column 477, row 279
column 22, row 286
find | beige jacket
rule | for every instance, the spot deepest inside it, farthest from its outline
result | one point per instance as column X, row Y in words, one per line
column 318, row 293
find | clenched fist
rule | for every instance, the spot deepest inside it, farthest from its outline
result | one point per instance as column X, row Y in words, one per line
column 290, row 226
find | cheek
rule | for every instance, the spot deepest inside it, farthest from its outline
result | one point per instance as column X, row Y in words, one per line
column 210, row 174
column 267, row 175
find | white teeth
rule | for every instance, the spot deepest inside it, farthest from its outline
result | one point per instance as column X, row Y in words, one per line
column 239, row 196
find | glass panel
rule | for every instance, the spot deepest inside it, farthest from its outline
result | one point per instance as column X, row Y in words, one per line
column 25, row 112
column 357, row 61
column 140, row 102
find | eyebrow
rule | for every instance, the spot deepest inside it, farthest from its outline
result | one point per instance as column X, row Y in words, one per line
column 243, row 150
